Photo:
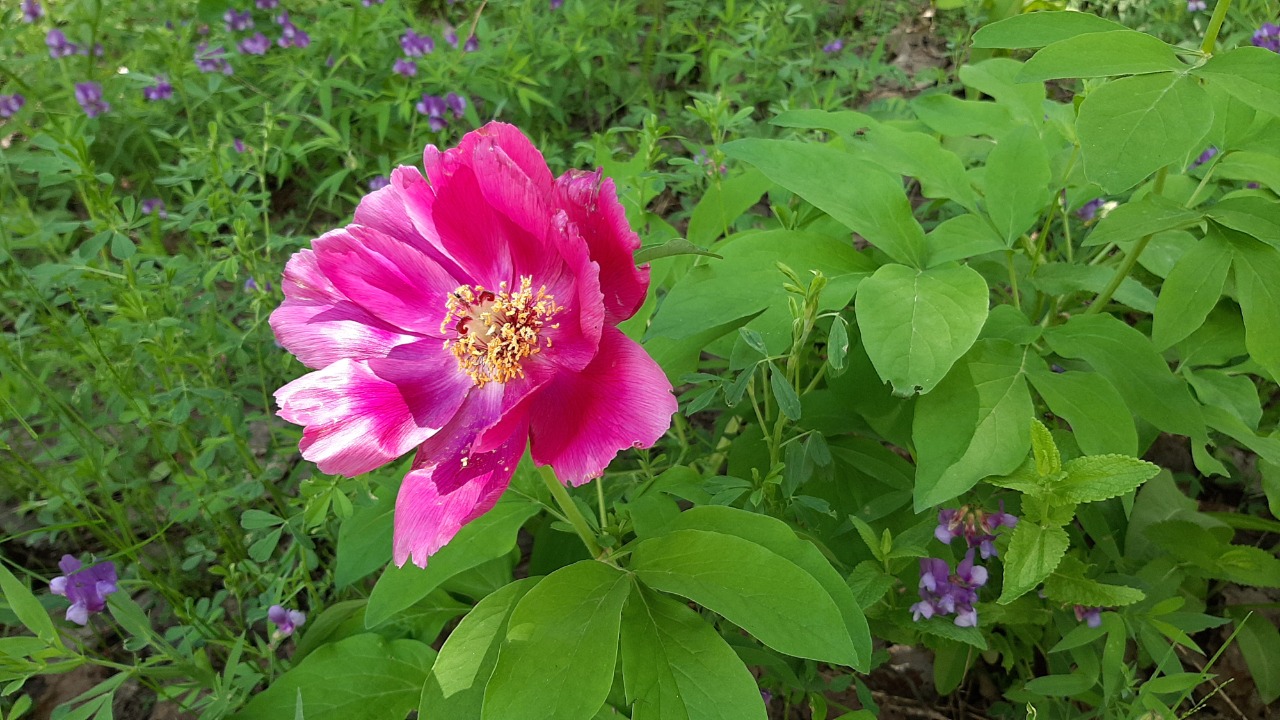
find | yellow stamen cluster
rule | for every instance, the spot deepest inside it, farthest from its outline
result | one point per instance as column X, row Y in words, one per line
column 491, row 333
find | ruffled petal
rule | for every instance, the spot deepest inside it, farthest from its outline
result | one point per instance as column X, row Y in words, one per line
column 391, row 280
column 583, row 420
column 356, row 421
column 402, row 210
column 592, row 205
column 513, row 142
column 436, row 500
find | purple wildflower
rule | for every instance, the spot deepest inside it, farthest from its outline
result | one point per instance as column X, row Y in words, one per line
column 59, row 46
column 556, row 4
column 250, row 285
column 238, row 21
column 405, row 67
column 31, row 11
column 1091, row 616
column 1089, row 210
column 415, row 45
column 285, row 620
column 267, row 4
column 1196, row 5
column 162, row 90
column 456, row 103
column 451, row 37
column 378, row 182
column 964, row 589
column 977, row 527
column 834, row 46
column 1268, row 37
column 98, row 50
column 471, row 45
column 89, row 95
column 86, row 588
column 212, row 59
column 11, row 104
column 290, row 34
column 935, row 590
column 239, row 146
column 371, row 3
column 434, row 107
column 255, row 44
column 1205, row 156
column 765, row 695
column 154, row 206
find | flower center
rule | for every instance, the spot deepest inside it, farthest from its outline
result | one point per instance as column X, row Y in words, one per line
column 494, row 332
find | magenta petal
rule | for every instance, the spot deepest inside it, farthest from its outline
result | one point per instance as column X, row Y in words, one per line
column 437, row 500
column 388, row 278
column 583, row 420
column 592, row 205
column 355, row 421
column 508, row 137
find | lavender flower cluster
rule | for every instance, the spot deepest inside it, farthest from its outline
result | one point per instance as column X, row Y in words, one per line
column 943, row 592
column 415, row 46
column 435, row 107
column 1267, row 37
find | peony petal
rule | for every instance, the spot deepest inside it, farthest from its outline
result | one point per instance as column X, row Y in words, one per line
column 402, row 210
column 436, row 500
column 508, row 137
column 356, row 421
column 592, row 205
column 432, row 385
column 393, row 281
column 581, row 421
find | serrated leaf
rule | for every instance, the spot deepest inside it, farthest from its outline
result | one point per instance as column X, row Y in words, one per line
column 1048, row 461
column 1034, row 553
column 1099, row 477
column 1067, row 585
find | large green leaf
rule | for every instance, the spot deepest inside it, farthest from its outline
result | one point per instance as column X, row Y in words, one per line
column 1250, row 74
column 960, row 237
column 998, row 77
column 949, row 115
column 364, row 540
column 1259, row 642
column 24, row 604
column 1192, row 289
column 1017, row 182
column 1251, row 215
column 915, row 154
column 854, row 191
column 721, row 205
column 364, row 677
column 1034, row 553
column 455, row 686
column 489, row 536
column 562, row 643
column 1251, row 166
column 676, row 667
column 747, row 283
column 1131, row 127
column 776, row 536
column 1117, row 52
column 1066, row 278
column 1098, row 415
column 1139, row 218
column 974, row 424
column 752, row 587
column 1257, row 274
column 916, row 323
column 1038, row 29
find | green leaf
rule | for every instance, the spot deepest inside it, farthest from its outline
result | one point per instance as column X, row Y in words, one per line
column 670, row 248
column 777, row 537
column 1251, row 215
column 1257, row 274
column 1117, row 52
column 1250, row 74
column 975, row 423
column 364, row 540
column 998, row 77
column 916, row 323
column 1259, row 642
column 676, row 667
column 1067, row 585
column 1017, row 182
column 1034, row 552
column 24, row 604
column 1131, row 127
column 1237, row 394
column 1247, row 565
column 788, row 400
column 1097, row 413
column 562, row 643
column 838, row 343
column 846, row 123
column 946, row 628
column 1044, row 450
column 489, row 536
column 1139, row 218
column 364, row 677
column 750, row 586
column 855, row 192
column 961, row 237
column 721, row 205
column 1038, row 29
column 456, row 684
column 949, row 115
column 1066, row 278
column 1126, row 357
column 1250, row 166
column 1099, row 477
column 1192, row 289
column 915, row 154
column 1061, row 686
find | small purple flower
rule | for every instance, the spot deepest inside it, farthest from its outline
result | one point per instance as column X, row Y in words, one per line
column 1089, row 210
column 162, row 90
column 1268, row 37
column 976, row 526
column 250, row 285
column 371, row 3
column 556, row 4
column 434, row 107
column 238, row 21
column 378, row 182
column 98, row 51
column 59, row 46
column 935, row 590
column 290, row 34
column 286, row 621
column 31, row 11
column 1209, row 153
column 471, row 45
column 255, row 44
column 1091, row 616
column 212, row 59
column 11, row 104
column 405, row 67
column 834, row 46
column 239, row 146
column 154, row 206
column 451, row 37
column 765, row 695
column 89, row 95
column 456, row 103
column 267, row 4
column 86, row 588
column 1196, row 5
column 415, row 45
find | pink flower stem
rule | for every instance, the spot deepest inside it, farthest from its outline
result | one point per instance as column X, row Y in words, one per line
column 570, row 510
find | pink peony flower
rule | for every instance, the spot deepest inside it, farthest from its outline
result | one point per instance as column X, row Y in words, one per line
column 461, row 315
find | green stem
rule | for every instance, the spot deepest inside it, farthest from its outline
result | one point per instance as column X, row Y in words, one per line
column 1215, row 24
column 570, row 510
column 1131, row 258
